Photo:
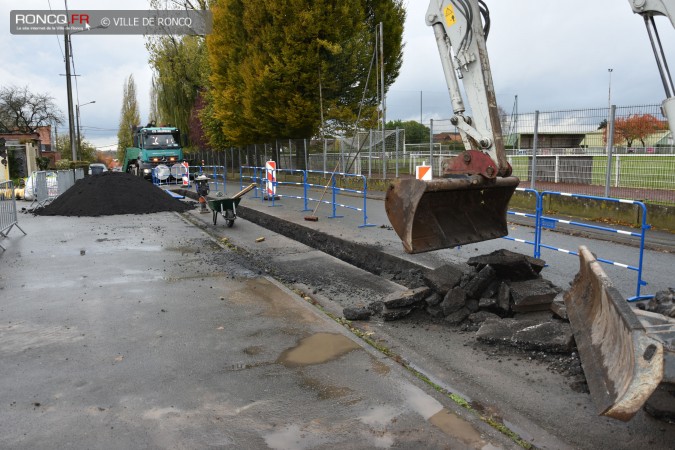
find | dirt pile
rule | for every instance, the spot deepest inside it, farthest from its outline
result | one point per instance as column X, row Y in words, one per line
column 110, row 194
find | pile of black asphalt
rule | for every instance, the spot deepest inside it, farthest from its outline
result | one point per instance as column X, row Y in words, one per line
column 112, row 193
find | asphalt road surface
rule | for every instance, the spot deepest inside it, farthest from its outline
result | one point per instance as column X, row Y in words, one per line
column 145, row 332
column 174, row 346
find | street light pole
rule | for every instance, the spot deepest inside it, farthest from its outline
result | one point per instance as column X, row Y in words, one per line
column 609, row 91
column 609, row 109
column 77, row 115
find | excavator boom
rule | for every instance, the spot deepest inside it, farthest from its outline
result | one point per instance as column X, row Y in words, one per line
column 469, row 202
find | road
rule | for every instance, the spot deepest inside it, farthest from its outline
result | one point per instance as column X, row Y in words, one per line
column 145, row 332
column 522, row 391
column 545, row 405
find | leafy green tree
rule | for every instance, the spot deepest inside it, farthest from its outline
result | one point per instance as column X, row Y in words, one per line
column 181, row 71
column 180, row 74
column 276, row 65
column 87, row 153
column 129, row 117
column 415, row 132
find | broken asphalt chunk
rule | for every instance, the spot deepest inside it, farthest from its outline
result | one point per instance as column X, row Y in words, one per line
column 510, row 265
column 356, row 313
column 453, row 301
column 480, row 282
column 532, row 295
column 395, row 314
column 408, row 298
column 548, row 336
column 444, row 278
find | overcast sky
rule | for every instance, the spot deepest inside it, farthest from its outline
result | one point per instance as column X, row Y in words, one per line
column 554, row 55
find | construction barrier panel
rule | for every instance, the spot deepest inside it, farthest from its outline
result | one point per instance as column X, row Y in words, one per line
column 250, row 174
column 258, row 175
column 270, row 180
column 8, row 215
column 550, row 222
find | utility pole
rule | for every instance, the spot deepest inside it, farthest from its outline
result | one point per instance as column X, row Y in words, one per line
column 69, row 88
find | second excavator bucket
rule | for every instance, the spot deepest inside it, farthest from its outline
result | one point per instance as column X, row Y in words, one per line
column 622, row 363
column 447, row 212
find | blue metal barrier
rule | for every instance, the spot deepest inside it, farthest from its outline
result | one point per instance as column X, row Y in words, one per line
column 303, row 184
column 255, row 177
column 537, row 222
column 215, row 173
column 335, row 191
column 551, row 221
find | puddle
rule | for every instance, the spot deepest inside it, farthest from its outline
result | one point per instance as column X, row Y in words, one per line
column 317, row 349
column 448, row 422
column 455, row 426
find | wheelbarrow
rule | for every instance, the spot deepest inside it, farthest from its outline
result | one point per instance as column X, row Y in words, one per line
column 227, row 207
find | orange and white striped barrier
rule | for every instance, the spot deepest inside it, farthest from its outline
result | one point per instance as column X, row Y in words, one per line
column 271, row 179
column 186, row 173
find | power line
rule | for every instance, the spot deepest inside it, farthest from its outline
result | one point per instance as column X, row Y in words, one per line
column 57, row 36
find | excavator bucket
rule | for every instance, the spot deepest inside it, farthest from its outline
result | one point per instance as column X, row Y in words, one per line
column 622, row 363
column 447, row 212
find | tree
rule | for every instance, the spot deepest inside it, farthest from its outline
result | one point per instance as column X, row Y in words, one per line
column 180, row 74
column 24, row 111
column 276, row 65
column 181, row 71
column 129, row 117
column 415, row 132
column 635, row 127
column 87, row 153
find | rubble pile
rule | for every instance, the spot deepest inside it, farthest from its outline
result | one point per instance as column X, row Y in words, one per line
column 109, row 194
column 662, row 303
column 500, row 295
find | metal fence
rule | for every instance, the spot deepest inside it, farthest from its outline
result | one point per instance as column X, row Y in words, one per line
column 8, row 214
column 565, row 150
column 44, row 186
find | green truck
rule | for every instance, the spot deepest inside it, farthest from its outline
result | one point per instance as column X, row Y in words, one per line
column 153, row 146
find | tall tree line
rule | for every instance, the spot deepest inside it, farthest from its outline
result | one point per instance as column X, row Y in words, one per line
column 272, row 69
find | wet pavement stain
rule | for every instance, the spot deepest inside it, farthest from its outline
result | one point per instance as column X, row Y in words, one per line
column 326, row 391
column 279, row 304
column 455, row 426
column 317, row 349
column 254, row 350
column 448, row 422
column 380, row 368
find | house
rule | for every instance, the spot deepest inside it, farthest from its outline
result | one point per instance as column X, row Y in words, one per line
column 447, row 138
column 24, row 148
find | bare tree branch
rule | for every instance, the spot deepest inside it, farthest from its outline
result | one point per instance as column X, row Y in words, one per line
column 24, row 111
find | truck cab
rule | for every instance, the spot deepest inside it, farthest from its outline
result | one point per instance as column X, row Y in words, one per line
column 152, row 146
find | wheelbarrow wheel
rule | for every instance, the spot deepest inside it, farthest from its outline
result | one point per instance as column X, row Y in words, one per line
column 229, row 217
